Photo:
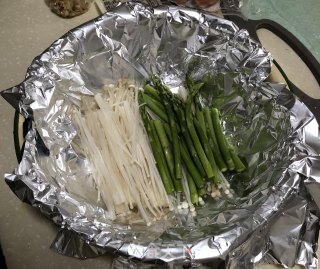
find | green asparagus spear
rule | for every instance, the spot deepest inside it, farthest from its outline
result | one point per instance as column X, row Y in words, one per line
column 223, row 145
column 191, row 168
column 199, row 112
column 165, row 146
column 157, row 151
column 168, row 154
column 174, row 130
column 200, row 119
column 193, row 190
column 189, row 143
column 162, row 166
column 148, row 89
column 239, row 166
column 213, row 141
column 208, row 151
column 202, row 191
column 176, row 144
column 156, row 107
column 194, row 88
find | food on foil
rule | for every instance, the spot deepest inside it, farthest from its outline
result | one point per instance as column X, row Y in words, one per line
column 273, row 215
column 186, row 135
column 182, row 162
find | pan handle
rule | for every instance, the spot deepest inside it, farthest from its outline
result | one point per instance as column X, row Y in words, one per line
column 306, row 56
column 312, row 103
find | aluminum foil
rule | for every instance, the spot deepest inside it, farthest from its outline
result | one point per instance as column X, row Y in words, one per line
column 274, row 218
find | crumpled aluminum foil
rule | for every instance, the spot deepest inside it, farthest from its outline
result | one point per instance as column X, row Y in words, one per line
column 274, row 218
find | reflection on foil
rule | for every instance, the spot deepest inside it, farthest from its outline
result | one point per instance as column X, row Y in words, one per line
column 273, row 218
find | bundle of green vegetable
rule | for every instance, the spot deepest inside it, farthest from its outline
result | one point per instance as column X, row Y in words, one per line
column 188, row 142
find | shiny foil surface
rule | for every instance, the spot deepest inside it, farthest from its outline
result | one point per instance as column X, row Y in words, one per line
column 273, row 217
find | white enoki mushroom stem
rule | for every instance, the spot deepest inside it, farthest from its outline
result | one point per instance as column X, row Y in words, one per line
column 132, row 161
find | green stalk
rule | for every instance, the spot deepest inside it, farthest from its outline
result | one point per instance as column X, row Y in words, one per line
column 202, row 191
column 193, row 190
column 190, row 146
column 189, row 118
column 164, row 94
column 156, row 107
column 158, row 154
column 203, row 158
column 175, row 142
column 214, row 153
column 156, row 149
column 148, row 89
column 167, row 153
column 142, row 109
column 178, row 185
column 208, row 151
column 239, row 166
column 191, row 168
column 213, row 141
column 199, row 112
column 167, row 129
column 200, row 118
column 165, row 146
column 208, row 118
column 223, row 145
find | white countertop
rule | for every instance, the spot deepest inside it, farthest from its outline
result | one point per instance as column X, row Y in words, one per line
column 27, row 28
